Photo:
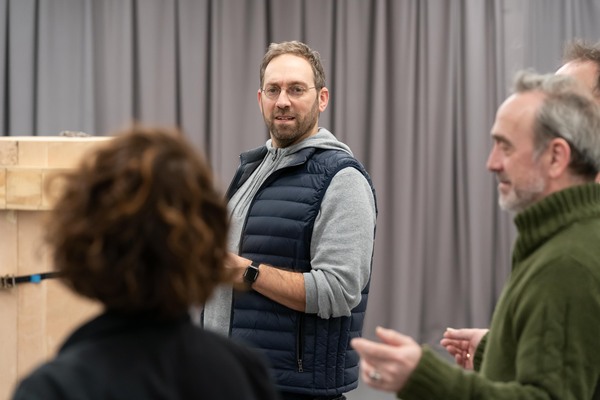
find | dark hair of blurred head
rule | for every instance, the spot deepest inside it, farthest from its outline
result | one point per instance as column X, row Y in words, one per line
column 140, row 227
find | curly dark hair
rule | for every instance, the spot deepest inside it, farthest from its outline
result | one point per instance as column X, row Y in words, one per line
column 139, row 225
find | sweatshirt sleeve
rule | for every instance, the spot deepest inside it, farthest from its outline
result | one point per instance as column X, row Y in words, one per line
column 435, row 378
column 342, row 246
column 550, row 341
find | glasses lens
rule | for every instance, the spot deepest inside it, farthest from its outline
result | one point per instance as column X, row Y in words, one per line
column 294, row 91
column 272, row 92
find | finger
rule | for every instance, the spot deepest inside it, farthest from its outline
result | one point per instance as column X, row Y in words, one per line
column 458, row 359
column 369, row 374
column 358, row 340
column 463, row 358
column 459, row 334
column 452, row 342
column 372, row 352
column 360, row 345
column 365, row 365
column 392, row 337
column 456, row 334
column 461, row 345
column 453, row 350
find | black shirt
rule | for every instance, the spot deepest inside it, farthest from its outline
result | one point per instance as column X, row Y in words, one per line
column 117, row 357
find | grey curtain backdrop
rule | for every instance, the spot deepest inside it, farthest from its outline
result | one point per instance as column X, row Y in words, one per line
column 414, row 88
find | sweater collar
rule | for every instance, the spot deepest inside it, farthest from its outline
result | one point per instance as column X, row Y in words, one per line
column 552, row 214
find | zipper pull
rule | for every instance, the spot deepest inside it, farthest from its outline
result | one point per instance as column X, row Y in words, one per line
column 275, row 154
column 300, row 369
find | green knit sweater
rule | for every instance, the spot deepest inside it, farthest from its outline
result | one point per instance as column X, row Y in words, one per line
column 544, row 339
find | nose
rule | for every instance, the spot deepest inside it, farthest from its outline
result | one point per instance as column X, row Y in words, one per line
column 493, row 162
column 283, row 100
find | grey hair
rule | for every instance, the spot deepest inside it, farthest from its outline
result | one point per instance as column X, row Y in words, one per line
column 299, row 49
column 569, row 112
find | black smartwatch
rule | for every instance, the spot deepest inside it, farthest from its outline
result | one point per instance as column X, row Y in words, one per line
column 251, row 273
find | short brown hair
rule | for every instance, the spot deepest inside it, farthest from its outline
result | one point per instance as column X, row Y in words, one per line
column 298, row 49
column 581, row 51
column 139, row 225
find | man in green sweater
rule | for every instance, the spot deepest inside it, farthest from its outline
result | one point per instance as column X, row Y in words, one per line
column 582, row 62
column 544, row 339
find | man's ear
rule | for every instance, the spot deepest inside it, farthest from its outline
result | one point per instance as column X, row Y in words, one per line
column 560, row 157
column 323, row 99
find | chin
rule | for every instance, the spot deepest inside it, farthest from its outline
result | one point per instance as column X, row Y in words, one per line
column 508, row 204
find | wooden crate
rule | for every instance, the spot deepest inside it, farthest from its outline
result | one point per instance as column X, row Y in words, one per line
column 36, row 318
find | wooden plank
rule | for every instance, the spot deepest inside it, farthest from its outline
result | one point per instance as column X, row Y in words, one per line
column 33, row 154
column 2, row 188
column 36, row 318
column 8, row 152
column 23, row 189
column 8, row 304
column 31, row 321
column 67, row 154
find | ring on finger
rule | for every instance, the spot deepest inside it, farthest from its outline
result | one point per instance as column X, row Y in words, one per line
column 374, row 375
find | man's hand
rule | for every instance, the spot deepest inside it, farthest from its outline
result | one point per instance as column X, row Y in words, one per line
column 462, row 343
column 387, row 366
column 238, row 265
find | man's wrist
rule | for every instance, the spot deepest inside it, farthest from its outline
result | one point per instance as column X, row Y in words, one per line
column 251, row 273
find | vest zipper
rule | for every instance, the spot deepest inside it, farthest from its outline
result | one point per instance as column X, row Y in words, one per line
column 300, row 343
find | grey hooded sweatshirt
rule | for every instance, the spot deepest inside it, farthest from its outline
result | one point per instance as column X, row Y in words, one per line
column 342, row 244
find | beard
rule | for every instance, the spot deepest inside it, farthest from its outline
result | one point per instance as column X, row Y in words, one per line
column 523, row 195
column 292, row 133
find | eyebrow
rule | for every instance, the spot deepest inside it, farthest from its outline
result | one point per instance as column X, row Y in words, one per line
column 500, row 139
column 292, row 83
column 497, row 137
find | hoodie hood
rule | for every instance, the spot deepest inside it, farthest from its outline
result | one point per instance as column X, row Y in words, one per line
column 323, row 139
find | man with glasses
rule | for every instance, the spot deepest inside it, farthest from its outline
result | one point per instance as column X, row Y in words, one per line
column 543, row 339
column 302, row 229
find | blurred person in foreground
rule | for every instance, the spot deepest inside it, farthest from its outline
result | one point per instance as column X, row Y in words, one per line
column 543, row 340
column 140, row 228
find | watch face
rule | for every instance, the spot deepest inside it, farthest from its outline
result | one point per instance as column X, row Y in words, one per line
column 250, row 274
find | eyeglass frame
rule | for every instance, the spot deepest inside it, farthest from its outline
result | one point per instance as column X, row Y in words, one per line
column 291, row 96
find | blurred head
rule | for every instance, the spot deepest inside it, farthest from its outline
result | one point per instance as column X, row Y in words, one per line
column 292, row 92
column 140, row 227
column 545, row 139
column 582, row 62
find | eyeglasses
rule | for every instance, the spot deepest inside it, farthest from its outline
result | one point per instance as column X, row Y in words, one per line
column 295, row 91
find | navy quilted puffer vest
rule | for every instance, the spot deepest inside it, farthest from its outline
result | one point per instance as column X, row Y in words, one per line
column 307, row 354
